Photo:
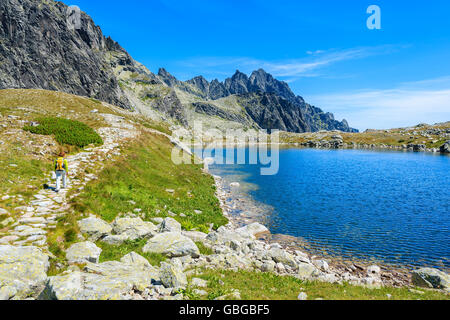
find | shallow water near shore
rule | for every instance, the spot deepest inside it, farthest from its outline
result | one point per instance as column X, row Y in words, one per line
column 388, row 207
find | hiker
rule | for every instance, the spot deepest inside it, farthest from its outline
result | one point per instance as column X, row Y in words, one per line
column 61, row 171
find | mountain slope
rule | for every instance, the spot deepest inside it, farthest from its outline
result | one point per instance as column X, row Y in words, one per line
column 269, row 102
column 38, row 50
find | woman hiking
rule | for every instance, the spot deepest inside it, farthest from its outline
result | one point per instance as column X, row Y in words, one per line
column 61, row 171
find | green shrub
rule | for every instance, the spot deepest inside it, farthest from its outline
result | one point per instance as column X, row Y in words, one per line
column 66, row 132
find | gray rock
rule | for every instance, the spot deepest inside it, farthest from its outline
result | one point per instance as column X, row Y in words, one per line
column 134, row 228
column 373, row 270
column 302, row 296
column 282, row 256
column 431, row 278
column 445, row 148
column 172, row 276
column 3, row 212
column 134, row 258
column 307, row 271
column 172, row 244
column 321, row 264
column 195, row 236
column 111, row 280
column 23, row 271
column 115, row 239
column 94, row 228
column 83, row 252
column 199, row 283
column 253, row 229
column 170, row 225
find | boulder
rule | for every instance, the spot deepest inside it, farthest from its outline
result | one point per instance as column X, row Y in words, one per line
column 111, row 280
column 172, row 276
column 134, row 258
column 83, row 252
column 23, row 271
column 224, row 236
column 199, row 283
column 3, row 212
column 172, row 244
column 94, row 228
column 431, row 278
column 445, row 148
column 195, row 236
column 133, row 228
column 253, row 229
column 307, row 271
column 281, row 256
column 115, row 239
column 170, row 225
column 373, row 270
column 322, row 265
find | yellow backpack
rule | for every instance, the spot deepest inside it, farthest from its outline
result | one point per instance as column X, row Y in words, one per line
column 60, row 164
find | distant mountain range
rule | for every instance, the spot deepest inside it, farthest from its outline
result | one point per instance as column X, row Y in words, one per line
column 38, row 50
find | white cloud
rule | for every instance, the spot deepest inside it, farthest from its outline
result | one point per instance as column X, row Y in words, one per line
column 426, row 101
column 292, row 68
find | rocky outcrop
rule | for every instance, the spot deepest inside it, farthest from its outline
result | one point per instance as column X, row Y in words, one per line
column 106, row 281
column 445, row 148
column 83, row 252
column 431, row 278
column 39, row 50
column 172, row 244
column 23, row 272
column 94, row 228
column 268, row 101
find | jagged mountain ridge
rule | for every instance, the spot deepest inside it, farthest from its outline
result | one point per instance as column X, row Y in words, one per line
column 39, row 51
column 270, row 102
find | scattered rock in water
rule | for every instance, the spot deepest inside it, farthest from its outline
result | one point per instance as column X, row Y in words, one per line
column 83, row 252
column 235, row 185
column 172, row 244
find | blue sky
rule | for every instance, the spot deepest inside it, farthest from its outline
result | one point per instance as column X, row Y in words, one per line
column 396, row 76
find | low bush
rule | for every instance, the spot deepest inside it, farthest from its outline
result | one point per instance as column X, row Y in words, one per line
column 66, row 132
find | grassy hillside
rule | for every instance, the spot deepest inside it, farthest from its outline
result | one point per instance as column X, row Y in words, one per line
column 144, row 177
column 267, row 286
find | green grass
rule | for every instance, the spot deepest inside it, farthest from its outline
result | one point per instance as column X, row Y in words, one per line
column 66, row 132
column 115, row 253
column 140, row 178
column 267, row 286
column 204, row 250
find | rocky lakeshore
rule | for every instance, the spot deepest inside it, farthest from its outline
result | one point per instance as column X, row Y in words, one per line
column 327, row 268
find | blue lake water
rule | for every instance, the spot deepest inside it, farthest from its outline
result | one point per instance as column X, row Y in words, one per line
column 392, row 207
